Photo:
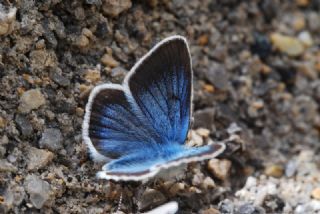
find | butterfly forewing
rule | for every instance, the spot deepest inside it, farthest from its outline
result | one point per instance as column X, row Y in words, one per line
column 114, row 129
column 161, row 87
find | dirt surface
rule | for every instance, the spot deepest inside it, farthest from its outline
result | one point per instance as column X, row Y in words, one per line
column 256, row 73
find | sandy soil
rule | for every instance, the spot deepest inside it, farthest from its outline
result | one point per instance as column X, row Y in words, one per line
column 256, row 66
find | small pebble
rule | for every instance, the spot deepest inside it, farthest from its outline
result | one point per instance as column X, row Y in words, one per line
column 274, row 171
column 79, row 13
column 316, row 193
column 210, row 211
column 14, row 195
column 38, row 158
column 226, row 206
column 24, row 125
column 108, row 60
column 118, row 72
column 41, row 44
column 219, row 168
column 2, row 122
column 258, row 104
column 291, row 168
column 220, row 53
column 5, row 166
column 31, row 99
column 42, row 59
column 38, row 190
column 153, row 3
column 314, row 21
column 305, row 38
column 308, row 207
column 79, row 111
column 286, row 44
column 233, row 128
column 250, row 209
column 4, row 140
column 82, row 41
column 194, row 189
column 307, row 68
column 203, row 132
column 114, row 8
column 197, row 179
column 51, row 139
column 261, row 46
column 84, row 91
column 92, row 75
column 12, row 158
column 176, row 188
column 58, row 77
column 167, row 208
column 302, row 3
column 208, row 183
column 251, row 182
column 208, row 88
column 203, row 40
column 151, row 198
column 196, row 139
column 204, row 118
column 299, row 22
column 3, row 151
column 87, row 32
column 273, row 204
column 28, row 78
column 7, row 20
column 217, row 75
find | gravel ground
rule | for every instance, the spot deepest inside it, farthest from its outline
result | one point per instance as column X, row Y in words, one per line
column 256, row 66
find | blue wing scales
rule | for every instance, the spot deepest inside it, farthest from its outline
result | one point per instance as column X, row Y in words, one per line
column 161, row 87
column 141, row 127
column 113, row 128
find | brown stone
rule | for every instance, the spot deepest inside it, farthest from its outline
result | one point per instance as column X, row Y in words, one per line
column 219, row 168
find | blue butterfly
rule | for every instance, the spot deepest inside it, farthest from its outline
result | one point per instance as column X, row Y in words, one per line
column 140, row 127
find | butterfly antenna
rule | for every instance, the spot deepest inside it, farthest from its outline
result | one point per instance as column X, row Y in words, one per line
column 119, row 203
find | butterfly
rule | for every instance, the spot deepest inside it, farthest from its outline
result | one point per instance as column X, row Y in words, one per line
column 140, row 127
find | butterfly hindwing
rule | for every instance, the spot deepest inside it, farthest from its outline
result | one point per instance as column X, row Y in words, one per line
column 113, row 128
column 144, row 164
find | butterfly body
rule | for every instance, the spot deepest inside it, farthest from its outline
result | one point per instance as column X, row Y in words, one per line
column 140, row 127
